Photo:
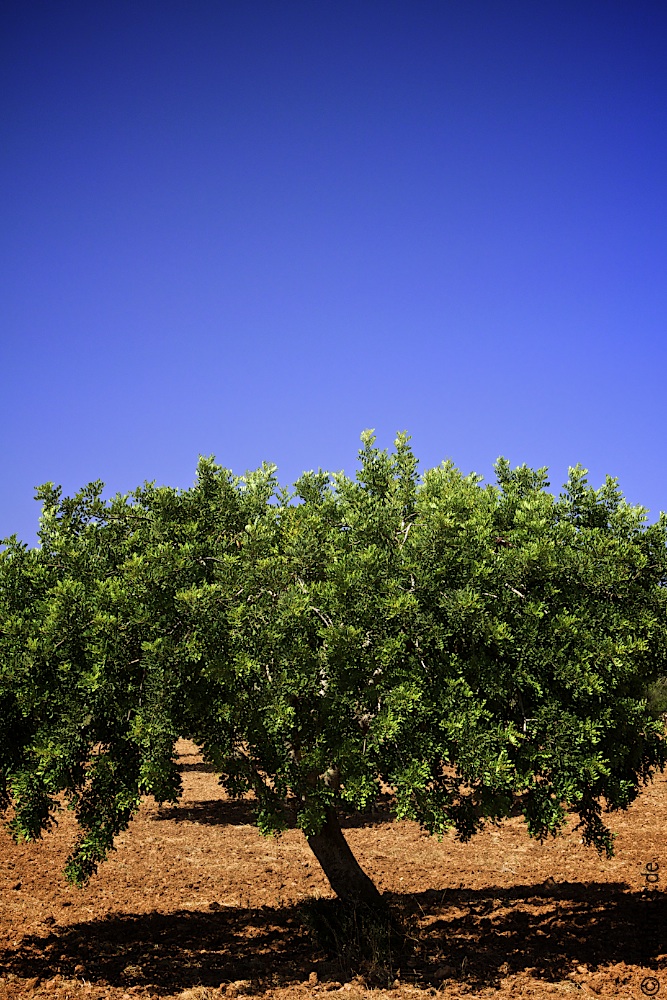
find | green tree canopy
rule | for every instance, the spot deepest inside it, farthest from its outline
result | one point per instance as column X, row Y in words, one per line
column 478, row 649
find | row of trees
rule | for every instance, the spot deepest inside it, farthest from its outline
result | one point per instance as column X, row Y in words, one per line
column 479, row 649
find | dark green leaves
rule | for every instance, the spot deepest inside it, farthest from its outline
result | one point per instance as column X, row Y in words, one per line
column 480, row 649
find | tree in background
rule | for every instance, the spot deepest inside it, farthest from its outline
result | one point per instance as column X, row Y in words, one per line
column 481, row 650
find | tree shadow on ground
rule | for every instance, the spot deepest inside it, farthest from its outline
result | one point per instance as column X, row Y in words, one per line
column 198, row 767
column 466, row 935
column 210, row 812
column 239, row 812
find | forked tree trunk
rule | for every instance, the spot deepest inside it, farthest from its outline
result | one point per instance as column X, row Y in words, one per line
column 346, row 877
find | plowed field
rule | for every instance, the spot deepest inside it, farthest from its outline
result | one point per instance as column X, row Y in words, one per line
column 196, row 903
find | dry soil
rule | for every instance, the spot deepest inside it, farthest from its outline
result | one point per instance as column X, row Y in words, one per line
column 195, row 903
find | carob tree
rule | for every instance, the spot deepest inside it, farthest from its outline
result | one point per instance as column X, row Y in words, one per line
column 480, row 650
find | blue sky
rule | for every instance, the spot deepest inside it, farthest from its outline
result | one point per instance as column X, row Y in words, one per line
column 253, row 229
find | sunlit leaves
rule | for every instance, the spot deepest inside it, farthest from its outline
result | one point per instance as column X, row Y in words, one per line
column 478, row 648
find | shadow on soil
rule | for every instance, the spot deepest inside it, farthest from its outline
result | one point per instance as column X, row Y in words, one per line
column 199, row 767
column 239, row 812
column 476, row 937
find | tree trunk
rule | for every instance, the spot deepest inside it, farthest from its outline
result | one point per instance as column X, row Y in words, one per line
column 346, row 877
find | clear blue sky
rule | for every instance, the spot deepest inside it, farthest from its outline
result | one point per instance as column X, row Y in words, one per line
column 255, row 228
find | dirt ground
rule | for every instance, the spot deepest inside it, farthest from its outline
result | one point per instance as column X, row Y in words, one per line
column 195, row 903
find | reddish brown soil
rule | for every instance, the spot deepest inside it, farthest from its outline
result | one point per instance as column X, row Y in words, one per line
column 194, row 900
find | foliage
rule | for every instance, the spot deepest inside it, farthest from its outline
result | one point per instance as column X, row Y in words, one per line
column 657, row 697
column 480, row 649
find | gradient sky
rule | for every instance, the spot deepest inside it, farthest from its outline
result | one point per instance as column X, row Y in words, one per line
column 253, row 229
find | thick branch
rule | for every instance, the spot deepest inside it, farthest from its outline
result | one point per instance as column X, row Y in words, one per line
column 344, row 873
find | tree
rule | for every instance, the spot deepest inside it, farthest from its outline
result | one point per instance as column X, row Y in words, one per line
column 482, row 650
